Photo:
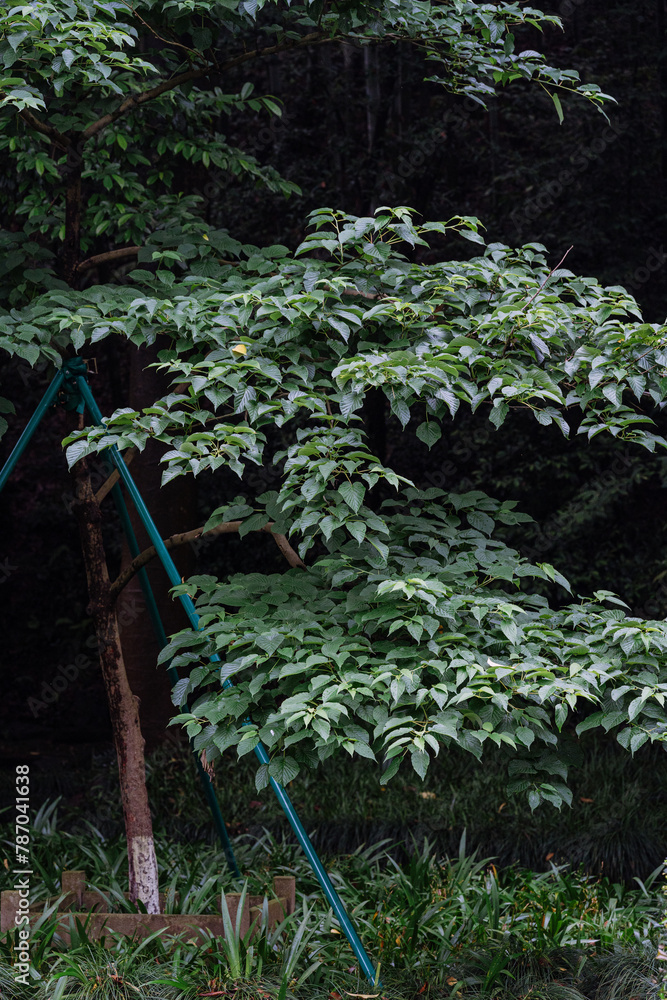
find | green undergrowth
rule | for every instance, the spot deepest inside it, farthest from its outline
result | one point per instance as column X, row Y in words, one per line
column 438, row 927
column 526, row 906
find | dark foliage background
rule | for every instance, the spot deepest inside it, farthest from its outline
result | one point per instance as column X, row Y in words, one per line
column 362, row 129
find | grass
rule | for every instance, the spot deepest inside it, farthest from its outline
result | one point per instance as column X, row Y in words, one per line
column 440, row 928
column 542, row 906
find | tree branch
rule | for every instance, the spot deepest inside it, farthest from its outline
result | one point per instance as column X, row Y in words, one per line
column 364, row 295
column 104, row 258
column 531, row 299
column 109, row 483
column 173, row 542
column 159, row 37
column 314, row 38
column 547, row 278
column 281, row 541
column 137, row 99
column 45, row 129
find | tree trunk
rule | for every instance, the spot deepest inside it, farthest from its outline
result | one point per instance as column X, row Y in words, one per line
column 72, row 214
column 372, row 86
column 123, row 706
column 662, row 78
column 174, row 509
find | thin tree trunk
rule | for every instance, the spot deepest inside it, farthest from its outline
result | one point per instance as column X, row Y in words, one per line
column 347, row 129
column 73, row 214
column 372, row 84
column 493, row 150
column 123, row 706
column 398, row 99
column 662, row 78
column 174, row 509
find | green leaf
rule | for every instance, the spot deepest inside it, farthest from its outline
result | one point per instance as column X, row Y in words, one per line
column 262, row 777
column 635, row 707
column 402, row 411
column 478, row 519
column 498, row 414
column 390, row 770
column 77, row 451
column 429, row 432
column 271, row 641
column 357, row 529
column 561, row 715
column 352, row 494
column 559, row 109
column 471, row 236
column 283, row 769
column 638, row 740
column 420, row 761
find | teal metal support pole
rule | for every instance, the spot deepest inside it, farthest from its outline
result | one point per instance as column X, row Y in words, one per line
column 260, row 750
column 47, row 400
column 158, row 628
column 7, row 469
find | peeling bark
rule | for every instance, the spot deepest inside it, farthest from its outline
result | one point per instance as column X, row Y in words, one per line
column 123, row 706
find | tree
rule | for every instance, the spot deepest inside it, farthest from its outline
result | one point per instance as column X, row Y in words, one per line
column 411, row 627
column 102, row 103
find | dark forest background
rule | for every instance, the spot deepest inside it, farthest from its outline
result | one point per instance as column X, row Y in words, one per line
column 361, row 129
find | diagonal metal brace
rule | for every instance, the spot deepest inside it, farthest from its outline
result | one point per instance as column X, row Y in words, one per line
column 260, row 750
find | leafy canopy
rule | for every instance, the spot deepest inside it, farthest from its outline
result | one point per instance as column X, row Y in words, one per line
column 410, row 625
column 126, row 96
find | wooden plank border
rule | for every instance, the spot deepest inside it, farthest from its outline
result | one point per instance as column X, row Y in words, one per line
column 91, row 909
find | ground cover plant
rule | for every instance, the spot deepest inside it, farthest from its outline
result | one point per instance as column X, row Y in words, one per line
column 429, row 915
column 440, row 927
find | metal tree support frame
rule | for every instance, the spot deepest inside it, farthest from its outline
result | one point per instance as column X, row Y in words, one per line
column 64, row 380
column 72, row 378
